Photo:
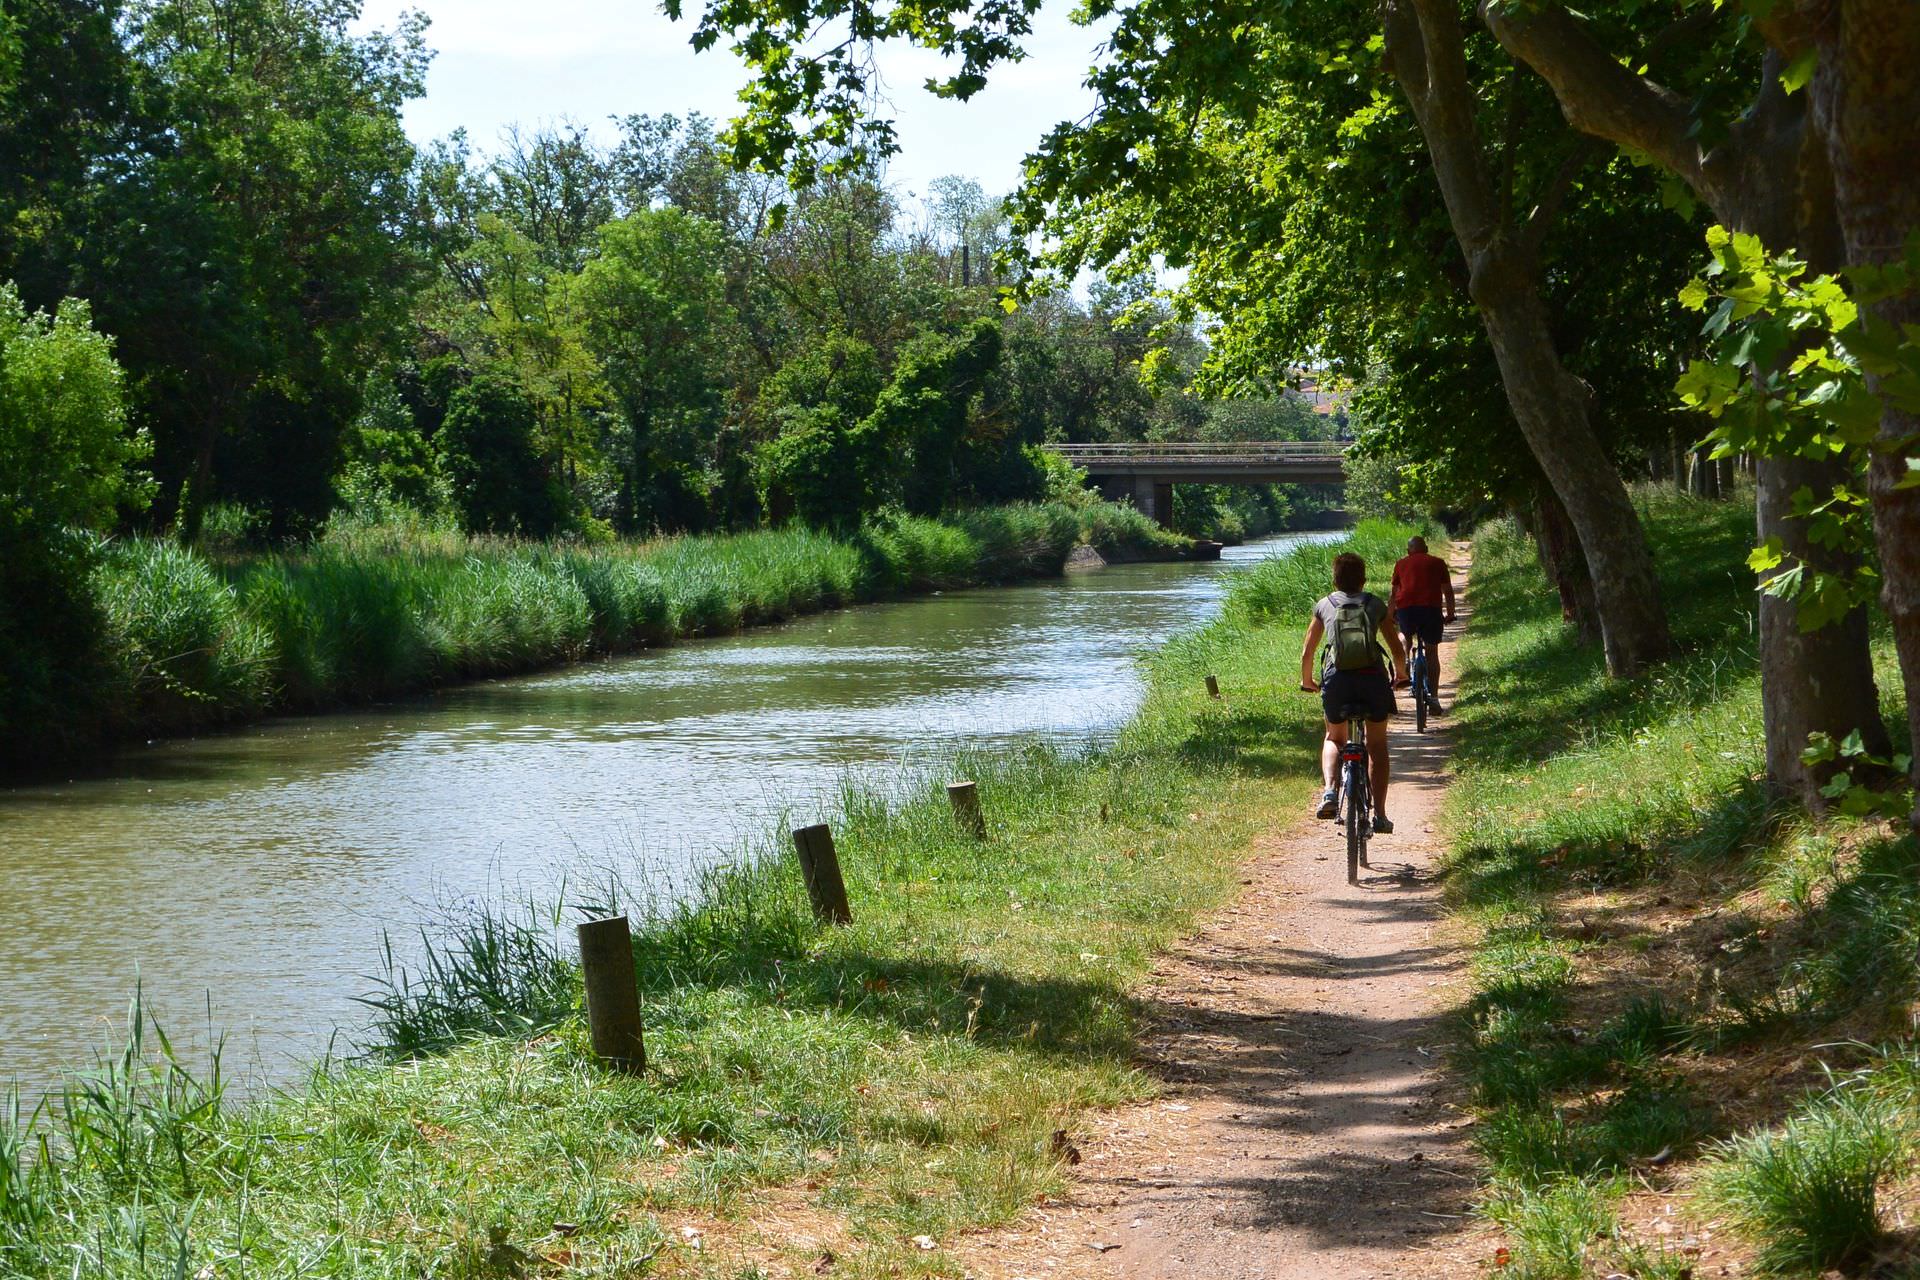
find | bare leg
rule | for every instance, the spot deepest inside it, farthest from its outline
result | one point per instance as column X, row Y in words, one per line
column 1330, row 752
column 1377, row 755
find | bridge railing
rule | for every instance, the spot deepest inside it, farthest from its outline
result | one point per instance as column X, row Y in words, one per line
column 1244, row 452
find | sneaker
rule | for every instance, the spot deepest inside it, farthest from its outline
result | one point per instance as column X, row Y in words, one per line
column 1329, row 804
column 1382, row 825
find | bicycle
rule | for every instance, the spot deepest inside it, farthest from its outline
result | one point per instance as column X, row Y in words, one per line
column 1424, row 694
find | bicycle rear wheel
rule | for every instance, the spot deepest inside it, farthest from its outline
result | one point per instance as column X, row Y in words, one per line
column 1356, row 796
column 1419, row 683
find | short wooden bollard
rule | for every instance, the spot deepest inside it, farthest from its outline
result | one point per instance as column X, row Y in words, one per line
column 1213, row 688
column 965, row 799
column 613, row 995
column 820, row 868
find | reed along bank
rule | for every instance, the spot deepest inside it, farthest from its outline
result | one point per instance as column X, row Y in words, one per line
column 184, row 640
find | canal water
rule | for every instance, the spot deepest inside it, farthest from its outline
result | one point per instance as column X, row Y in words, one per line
column 245, row 879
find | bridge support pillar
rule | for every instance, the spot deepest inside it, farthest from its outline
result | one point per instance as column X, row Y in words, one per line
column 1154, row 498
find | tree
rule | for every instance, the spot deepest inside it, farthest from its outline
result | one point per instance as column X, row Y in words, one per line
column 1163, row 70
column 658, row 320
column 820, row 465
column 923, row 415
column 65, row 79
column 1771, row 172
column 246, row 243
column 68, row 464
column 489, row 450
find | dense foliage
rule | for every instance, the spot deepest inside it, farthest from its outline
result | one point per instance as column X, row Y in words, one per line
column 66, row 464
column 268, row 313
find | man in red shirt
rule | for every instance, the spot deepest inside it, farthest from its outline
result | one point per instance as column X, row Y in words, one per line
column 1420, row 583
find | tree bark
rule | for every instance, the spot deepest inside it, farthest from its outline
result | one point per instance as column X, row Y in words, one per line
column 1565, row 565
column 1816, row 693
column 1550, row 405
column 1766, row 177
column 1866, row 110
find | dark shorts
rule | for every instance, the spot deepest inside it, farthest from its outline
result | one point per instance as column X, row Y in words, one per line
column 1370, row 689
column 1423, row 620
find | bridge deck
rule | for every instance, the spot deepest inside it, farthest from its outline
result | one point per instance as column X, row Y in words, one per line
column 1226, row 462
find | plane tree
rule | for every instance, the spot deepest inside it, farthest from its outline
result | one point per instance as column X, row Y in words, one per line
column 1796, row 123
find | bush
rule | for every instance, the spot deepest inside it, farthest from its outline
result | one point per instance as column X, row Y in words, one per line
column 373, row 611
column 67, row 461
column 1113, row 530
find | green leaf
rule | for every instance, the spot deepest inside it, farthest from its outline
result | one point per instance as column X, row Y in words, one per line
column 1800, row 70
column 1694, row 296
column 1767, row 555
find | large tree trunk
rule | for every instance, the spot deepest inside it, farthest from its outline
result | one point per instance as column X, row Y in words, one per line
column 1866, row 96
column 1809, row 680
column 1765, row 178
column 1550, row 405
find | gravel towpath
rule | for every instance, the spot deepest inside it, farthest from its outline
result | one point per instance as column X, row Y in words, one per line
column 1305, row 1131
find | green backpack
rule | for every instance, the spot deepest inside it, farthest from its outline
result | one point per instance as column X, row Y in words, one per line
column 1352, row 642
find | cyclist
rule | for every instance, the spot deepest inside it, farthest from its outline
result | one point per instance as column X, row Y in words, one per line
column 1420, row 583
column 1353, row 671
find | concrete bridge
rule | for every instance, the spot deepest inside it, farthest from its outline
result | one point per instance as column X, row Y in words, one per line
column 1144, row 474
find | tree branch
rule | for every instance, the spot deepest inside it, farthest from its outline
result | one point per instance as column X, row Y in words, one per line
column 1540, row 220
column 1597, row 94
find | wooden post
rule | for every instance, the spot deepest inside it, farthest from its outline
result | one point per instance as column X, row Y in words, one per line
column 613, row 996
column 820, row 868
column 1213, row 688
column 965, row 799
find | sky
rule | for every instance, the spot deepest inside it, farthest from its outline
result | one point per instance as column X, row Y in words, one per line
column 502, row 62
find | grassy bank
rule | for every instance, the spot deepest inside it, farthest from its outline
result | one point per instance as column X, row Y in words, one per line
column 839, row 1101
column 375, row 612
column 1689, row 1040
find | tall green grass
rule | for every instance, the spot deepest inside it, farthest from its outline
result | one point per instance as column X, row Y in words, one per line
column 1284, row 588
column 1808, row 1192
column 378, row 611
column 903, row 1077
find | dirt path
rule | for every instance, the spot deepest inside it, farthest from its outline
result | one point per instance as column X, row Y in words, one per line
column 1302, row 1132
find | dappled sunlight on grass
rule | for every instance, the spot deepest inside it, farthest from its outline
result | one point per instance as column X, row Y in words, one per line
column 1658, row 940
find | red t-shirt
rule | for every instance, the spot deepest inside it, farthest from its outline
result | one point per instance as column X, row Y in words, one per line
column 1420, row 580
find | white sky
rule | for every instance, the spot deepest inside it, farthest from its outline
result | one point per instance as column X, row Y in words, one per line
column 502, row 62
